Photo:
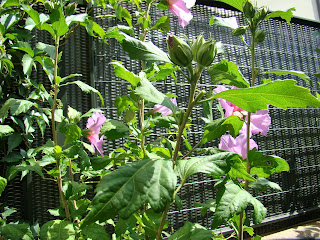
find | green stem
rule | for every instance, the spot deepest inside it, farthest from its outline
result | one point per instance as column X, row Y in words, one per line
column 54, row 131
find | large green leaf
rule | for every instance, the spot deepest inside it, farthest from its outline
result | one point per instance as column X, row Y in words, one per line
column 299, row 74
column 127, row 189
column 233, row 199
column 230, row 22
column 121, row 72
column 145, row 51
column 95, row 232
column 284, row 15
column 239, row 169
column 14, row 141
column 218, row 127
column 58, row 21
column 16, row 231
column 238, row 4
column 192, row 231
column 3, row 184
column 86, row 88
column 262, row 185
column 147, row 91
column 5, row 130
column 264, row 166
column 216, row 164
column 281, row 94
column 16, row 106
column 228, row 73
column 57, row 230
column 27, row 63
column 81, row 17
column 114, row 129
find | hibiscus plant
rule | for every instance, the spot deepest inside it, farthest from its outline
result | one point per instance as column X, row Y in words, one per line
column 136, row 184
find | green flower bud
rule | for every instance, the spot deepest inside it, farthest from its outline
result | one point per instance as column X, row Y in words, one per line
column 207, row 53
column 239, row 31
column 196, row 46
column 179, row 51
column 48, row 5
column 260, row 36
column 249, row 9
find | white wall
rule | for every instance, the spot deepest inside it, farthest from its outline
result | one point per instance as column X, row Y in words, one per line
column 304, row 8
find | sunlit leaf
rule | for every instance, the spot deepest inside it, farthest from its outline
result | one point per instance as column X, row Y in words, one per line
column 281, row 94
column 299, row 74
column 58, row 21
column 121, row 72
column 5, row 130
column 58, row 230
column 230, row 22
column 16, row 231
column 114, row 129
column 3, row 184
column 162, row 24
column 192, row 231
column 238, row 4
column 262, row 185
column 284, row 15
column 95, row 232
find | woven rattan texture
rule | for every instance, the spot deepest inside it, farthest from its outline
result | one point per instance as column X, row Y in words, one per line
column 294, row 135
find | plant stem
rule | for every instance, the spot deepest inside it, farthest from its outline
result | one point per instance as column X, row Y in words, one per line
column 54, row 131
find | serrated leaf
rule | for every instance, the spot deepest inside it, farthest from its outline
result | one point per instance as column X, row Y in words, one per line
column 239, row 169
column 262, row 185
column 230, row 22
column 281, row 94
column 73, row 133
column 121, row 72
column 299, row 74
column 3, row 184
column 192, row 231
column 86, row 88
column 16, row 107
column 228, row 73
column 14, row 141
column 216, row 164
column 16, row 231
column 5, row 130
column 145, row 51
column 264, row 166
column 125, row 190
column 238, row 4
column 217, row 128
column 58, row 230
column 233, row 199
column 58, row 21
column 34, row 167
column 147, row 91
column 162, row 24
column 95, row 232
column 284, row 15
column 114, row 129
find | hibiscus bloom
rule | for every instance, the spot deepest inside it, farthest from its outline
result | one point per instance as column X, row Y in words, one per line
column 163, row 109
column 260, row 121
column 94, row 125
column 237, row 145
column 180, row 8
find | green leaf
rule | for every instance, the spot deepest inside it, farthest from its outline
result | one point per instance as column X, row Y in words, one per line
column 192, row 231
column 5, row 130
column 114, row 129
column 124, row 103
column 281, row 94
column 73, row 133
column 12, row 157
column 127, row 189
column 217, row 128
column 25, row 47
column 14, row 141
column 73, row 115
column 70, row 76
column 86, row 88
column 16, row 231
column 3, row 184
column 264, row 166
column 216, row 164
column 10, row 3
column 262, row 185
column 33, row 167
column 82, row 17
column 58, row 230
column 27, row 62
column 16, row 106
column 121, row 72
column 233, row 199
column 239, row 169
column 238, row 4
column 49, row 49
column 162, row 24
column 299, row 74
column 145, row 51
column 228, row 73
column 147, row 91
column 284, row 15
column 230, row 22
column 95, row 232
column 92, row 28
column 58, row 21
column 32, row 13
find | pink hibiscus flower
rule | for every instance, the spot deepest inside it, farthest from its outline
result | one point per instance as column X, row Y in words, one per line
column 164, row 110
column 180, row 8
column 94, row 125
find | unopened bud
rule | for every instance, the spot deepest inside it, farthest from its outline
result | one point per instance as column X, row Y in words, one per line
column 239, row 31
column 207, row 53
column 260, row 36
column 196, row 46
column 179, row 51
column 249, row 9
column 263, row 13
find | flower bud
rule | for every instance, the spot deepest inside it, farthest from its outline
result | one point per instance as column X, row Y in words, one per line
column 207, row 53
column 249, row 9
column 179, row 51
column 196, row 46
column 239, row 31
column 263, row 13
column 260, row 36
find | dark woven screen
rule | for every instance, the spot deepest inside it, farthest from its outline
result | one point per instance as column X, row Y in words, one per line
column 294, row 135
